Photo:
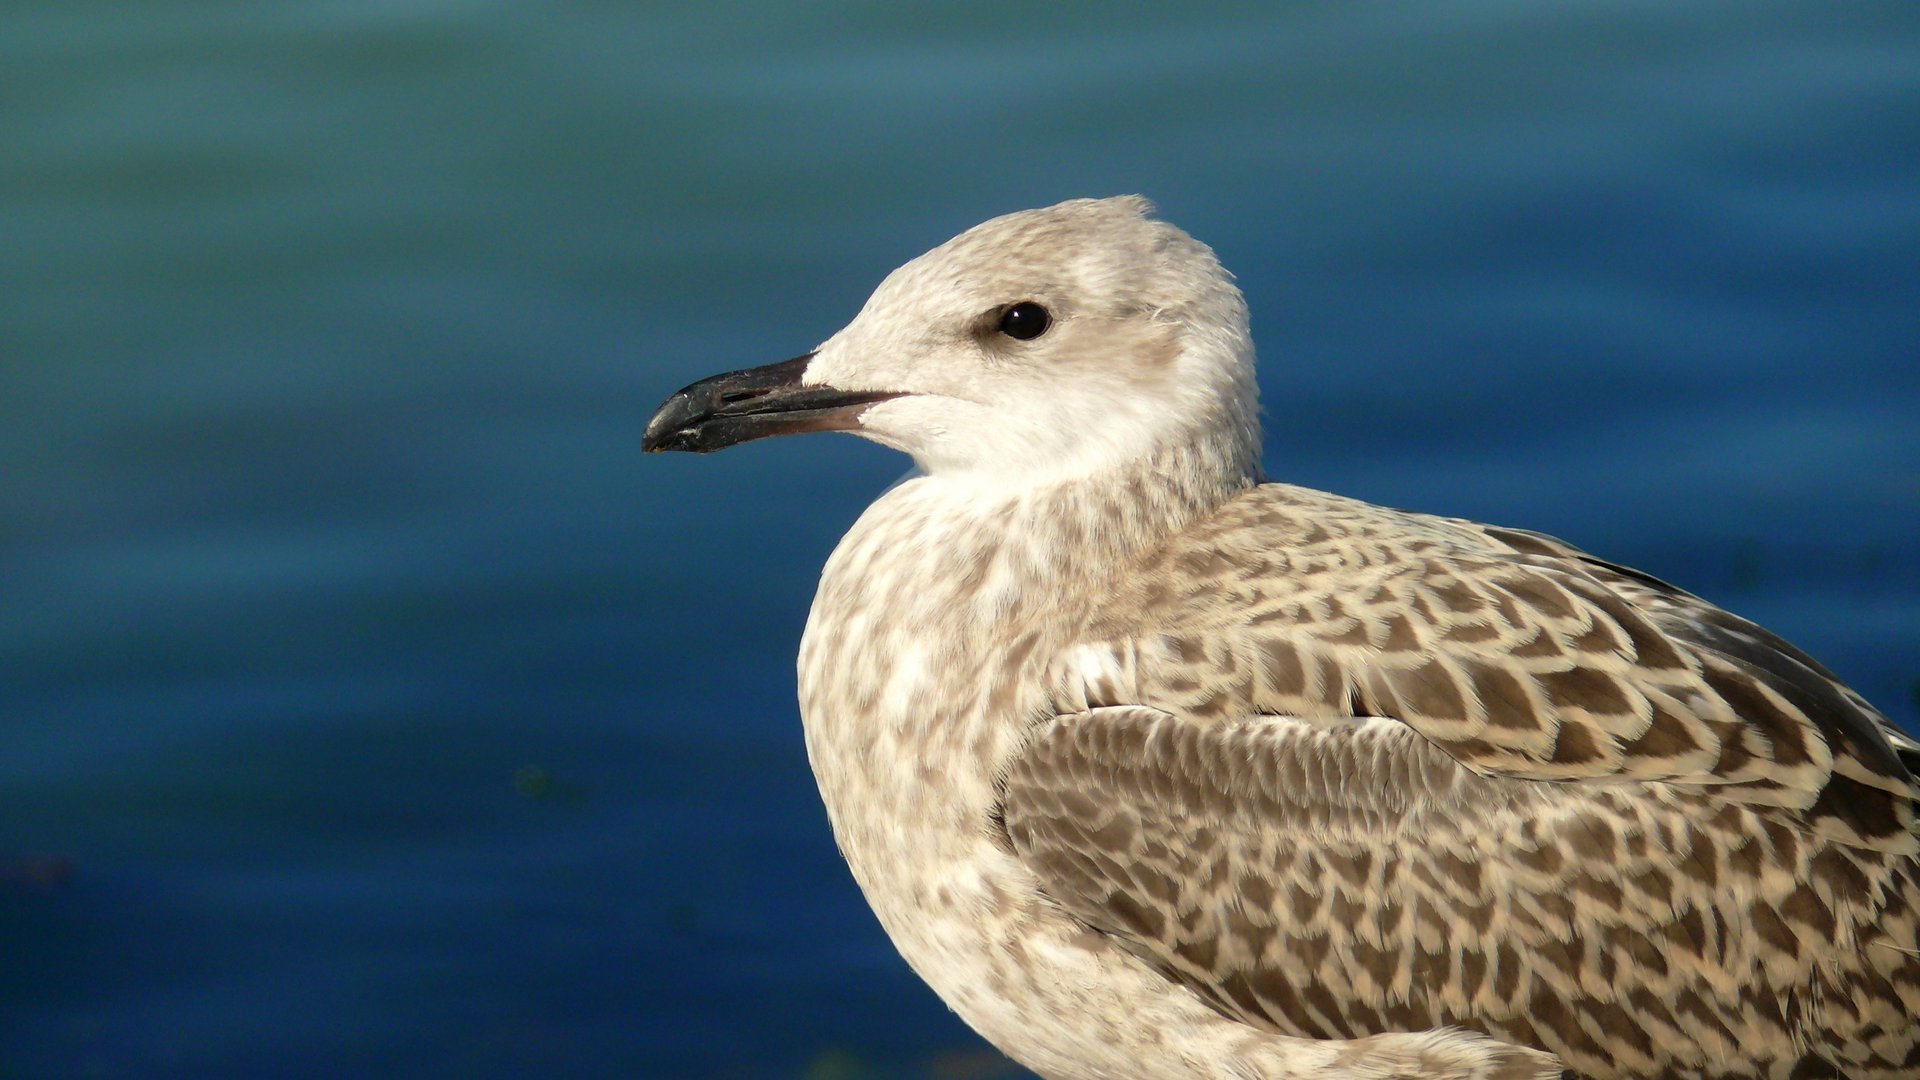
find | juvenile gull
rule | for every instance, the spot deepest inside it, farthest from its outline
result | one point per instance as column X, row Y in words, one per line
column 1153, row 769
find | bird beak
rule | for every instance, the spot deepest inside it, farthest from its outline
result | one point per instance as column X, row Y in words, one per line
column 741, row 406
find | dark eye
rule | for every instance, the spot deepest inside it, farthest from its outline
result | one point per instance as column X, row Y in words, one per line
column 1025, row 321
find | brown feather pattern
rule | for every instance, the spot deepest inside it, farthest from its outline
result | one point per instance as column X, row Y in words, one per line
column 1595, row 814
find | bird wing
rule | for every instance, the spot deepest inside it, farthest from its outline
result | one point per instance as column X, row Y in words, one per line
column 1343, row 769
column 1515, row 654
column 1334, row 880
column 1690, row 619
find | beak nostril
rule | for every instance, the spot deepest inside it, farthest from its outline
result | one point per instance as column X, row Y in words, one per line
column 735, row 396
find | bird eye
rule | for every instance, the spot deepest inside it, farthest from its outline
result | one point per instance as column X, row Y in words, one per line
column 1025, row 321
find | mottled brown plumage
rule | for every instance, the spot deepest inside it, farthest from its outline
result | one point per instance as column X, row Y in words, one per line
column 1599, row 816
column 1154, row 770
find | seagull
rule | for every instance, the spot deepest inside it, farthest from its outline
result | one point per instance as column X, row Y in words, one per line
column 1153, row 768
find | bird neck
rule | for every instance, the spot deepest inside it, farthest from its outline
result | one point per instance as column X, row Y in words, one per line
column 1104, row 520
column 955, row 543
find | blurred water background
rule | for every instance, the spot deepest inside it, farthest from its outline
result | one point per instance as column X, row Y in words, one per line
column 368, row 706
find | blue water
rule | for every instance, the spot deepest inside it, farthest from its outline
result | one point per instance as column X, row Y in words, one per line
column 371, row 707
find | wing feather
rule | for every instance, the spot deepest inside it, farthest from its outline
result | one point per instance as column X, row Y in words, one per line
column 1339, row 880
column 1516, row 654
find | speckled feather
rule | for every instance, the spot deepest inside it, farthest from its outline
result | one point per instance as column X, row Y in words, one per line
column 1515, row 653
column 1594, row 814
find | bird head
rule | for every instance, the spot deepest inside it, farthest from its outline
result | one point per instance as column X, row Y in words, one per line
column 1048, row 343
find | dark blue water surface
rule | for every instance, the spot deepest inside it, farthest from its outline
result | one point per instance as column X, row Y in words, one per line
column 371, row 707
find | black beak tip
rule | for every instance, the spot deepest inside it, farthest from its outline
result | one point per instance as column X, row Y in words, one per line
column 671, row 426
